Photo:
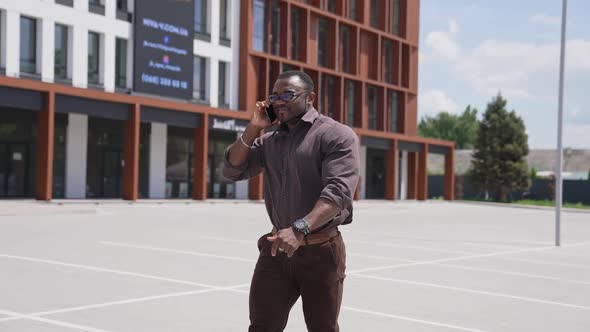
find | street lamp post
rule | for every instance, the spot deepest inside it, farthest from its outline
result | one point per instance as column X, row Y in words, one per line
column 559, row 168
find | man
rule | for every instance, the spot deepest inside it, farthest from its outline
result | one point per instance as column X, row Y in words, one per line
column 311, row 170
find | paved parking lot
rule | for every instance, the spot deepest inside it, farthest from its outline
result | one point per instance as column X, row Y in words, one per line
column 186, row 266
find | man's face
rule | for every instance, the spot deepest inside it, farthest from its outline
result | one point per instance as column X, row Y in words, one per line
column 291, row 110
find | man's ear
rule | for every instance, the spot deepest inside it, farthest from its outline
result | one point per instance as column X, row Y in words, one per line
column 311, row 97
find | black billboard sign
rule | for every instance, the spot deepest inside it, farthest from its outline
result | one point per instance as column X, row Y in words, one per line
column 163, row 49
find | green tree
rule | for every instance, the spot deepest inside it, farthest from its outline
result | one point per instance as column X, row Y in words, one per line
column 499, row 160
column 462, row 129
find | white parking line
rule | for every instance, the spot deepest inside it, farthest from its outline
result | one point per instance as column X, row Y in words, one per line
column 101, row 269
column 176, row 251
column 224, row 239
column 415, row 320
column 473, row 291
column 442, row 260
column 390, row 245
column 51, row 321
column 128, row 301
column 534, row 261
column 381, row 257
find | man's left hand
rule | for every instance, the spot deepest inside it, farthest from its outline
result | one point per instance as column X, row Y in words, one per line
column 286, row 239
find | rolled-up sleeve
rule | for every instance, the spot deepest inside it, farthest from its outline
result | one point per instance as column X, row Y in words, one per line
column 340, row 165
column 252, row 166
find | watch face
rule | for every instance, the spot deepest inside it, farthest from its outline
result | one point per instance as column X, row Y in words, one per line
column 300, row 224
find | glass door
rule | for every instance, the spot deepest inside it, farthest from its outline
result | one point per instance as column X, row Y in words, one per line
column 13, row 169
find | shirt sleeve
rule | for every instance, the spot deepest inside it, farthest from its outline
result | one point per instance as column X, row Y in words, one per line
column 251, row 167
column 340, row 165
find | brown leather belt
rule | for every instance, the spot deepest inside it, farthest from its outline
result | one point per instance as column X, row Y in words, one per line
column 316, row 238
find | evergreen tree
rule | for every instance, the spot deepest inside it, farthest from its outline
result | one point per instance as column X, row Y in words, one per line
column 499, row 160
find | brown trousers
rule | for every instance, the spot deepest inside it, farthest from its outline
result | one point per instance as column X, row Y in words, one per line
column 315, row 272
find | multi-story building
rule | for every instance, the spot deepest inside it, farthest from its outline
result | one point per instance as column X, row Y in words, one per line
column 138, row 99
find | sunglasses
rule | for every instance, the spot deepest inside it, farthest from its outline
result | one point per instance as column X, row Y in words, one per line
column 286, row 96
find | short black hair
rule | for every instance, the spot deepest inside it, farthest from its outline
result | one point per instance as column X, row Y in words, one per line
column 307, row 81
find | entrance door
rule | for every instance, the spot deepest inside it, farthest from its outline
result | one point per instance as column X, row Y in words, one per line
column 14, row 159
column 112, row 173
column 375, row 174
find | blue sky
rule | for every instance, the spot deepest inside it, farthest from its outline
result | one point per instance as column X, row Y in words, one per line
column 472, row 49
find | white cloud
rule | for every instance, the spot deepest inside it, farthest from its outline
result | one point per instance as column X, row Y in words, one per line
column 435, row 101
column 545, row 20
column 520, row 70
column 443, row 43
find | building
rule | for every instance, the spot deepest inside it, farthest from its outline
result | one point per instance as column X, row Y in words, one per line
column 576, row 163
column 128, row 99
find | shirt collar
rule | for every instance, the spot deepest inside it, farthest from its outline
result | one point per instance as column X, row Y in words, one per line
column 310, row 115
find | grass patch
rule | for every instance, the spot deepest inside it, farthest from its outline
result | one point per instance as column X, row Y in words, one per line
column 578, row 205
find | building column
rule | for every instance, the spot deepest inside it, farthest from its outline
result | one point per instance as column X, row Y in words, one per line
column 201, row 146
column 241, row 186
column 44, row 167
column 391, row 171
column 47, row 45
column 108, row 65
column 76, row 152
column 11, row 25
column 449, row 191
column 131, row 155
column 157, row 168
column 80, row 55
column 363, row 172
column 423, row 173
column 412, row 175
column 403, row 190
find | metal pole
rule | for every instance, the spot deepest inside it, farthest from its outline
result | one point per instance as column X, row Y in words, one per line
column 559, row 168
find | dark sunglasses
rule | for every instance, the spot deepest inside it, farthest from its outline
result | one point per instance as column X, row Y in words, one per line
column 286, row 96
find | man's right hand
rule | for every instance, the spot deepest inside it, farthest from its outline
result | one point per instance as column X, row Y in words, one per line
column 259, row 118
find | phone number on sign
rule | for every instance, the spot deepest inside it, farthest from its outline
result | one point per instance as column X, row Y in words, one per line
column 164, row 81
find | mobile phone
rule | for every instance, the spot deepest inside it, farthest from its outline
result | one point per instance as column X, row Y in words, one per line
column 270, row 112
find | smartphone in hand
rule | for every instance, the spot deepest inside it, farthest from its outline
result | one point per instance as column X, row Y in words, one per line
column 271, row 113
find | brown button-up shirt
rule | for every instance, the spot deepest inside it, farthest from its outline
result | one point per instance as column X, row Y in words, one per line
column 317, row 158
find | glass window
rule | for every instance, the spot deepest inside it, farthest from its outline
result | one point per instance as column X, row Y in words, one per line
column 275, row 28
column 1, row 44
column 259, row 26
column 352, row 9
column 122, row 5
column 350, row 88
column 199, row 78
column 201, row 16
column 393, row 110
column 223, row 79
column 345, row 46
column 179, row 162
column 224, row 31
column 121, row 64
column 94, row 2
column 322, row 44
column 331, row 6
column 395, row 21
column 93, row 58
column 388, row 61
column 372, row 100
column 61, row 51
column 375, row 13
column 328, row 96
column 59, row 155
column 28, row 45
column 295, row 30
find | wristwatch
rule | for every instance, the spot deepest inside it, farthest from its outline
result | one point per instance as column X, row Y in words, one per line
column 300, row 225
